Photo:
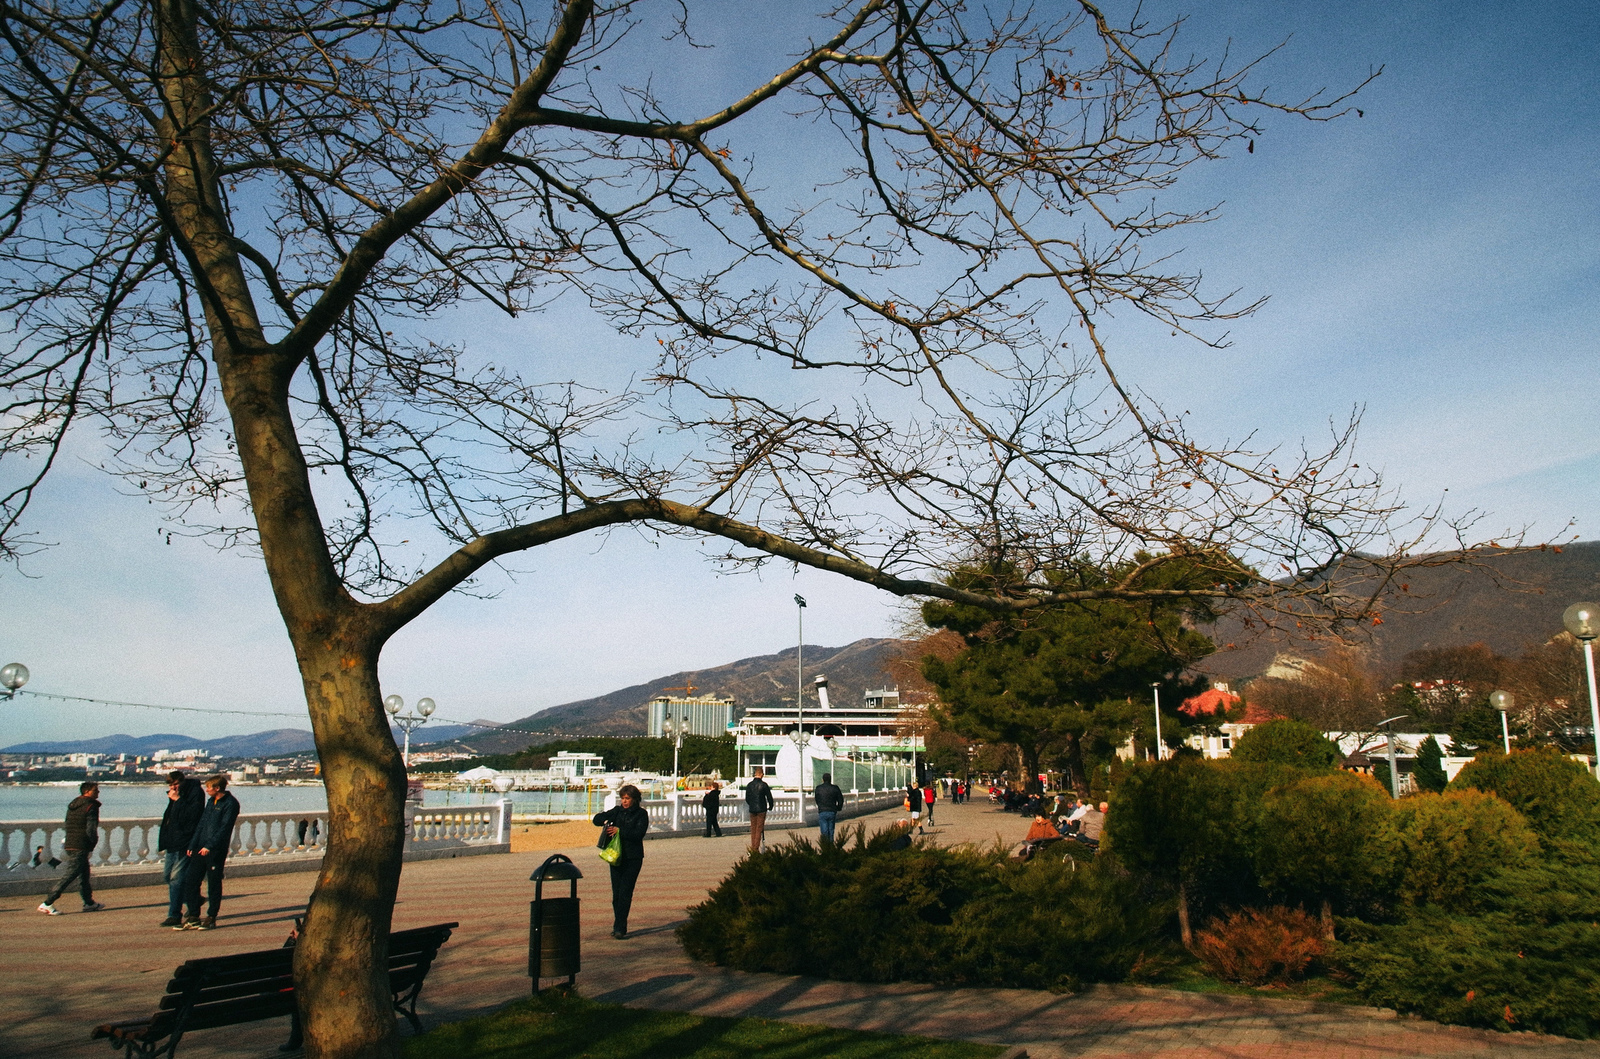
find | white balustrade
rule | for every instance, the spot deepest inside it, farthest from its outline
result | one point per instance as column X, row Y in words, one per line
column 131, row 844
column 679, row 811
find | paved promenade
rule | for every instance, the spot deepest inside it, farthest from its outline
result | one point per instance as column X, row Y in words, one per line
column 67, row 973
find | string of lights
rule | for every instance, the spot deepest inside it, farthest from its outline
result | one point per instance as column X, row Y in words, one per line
column 246, row 713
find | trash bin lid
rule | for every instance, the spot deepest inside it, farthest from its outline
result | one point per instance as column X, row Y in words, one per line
column 557, row 867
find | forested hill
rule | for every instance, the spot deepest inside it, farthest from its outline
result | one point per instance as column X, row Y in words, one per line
column 851, row 670
column 1508, row 601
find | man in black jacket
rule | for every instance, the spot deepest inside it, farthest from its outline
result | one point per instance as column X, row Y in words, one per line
column 208, row 852
column 631, row 820
column 830, row 800
column 185, row 801
column 83, row 834
column 712, row 804
column 758, row 799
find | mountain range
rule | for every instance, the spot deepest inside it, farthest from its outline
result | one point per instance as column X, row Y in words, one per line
column 1508, row 601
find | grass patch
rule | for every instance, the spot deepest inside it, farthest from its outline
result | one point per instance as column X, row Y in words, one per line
column 1195, row 979
column 560, row 1027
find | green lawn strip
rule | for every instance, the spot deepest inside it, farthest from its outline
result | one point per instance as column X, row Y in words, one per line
column 558, row 1027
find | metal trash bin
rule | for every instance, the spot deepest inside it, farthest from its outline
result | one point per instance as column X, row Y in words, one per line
column 553, row 938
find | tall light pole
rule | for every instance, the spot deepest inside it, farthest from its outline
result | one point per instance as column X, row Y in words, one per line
column 799, row 736
column 425, row 707
column 1394, row 769
column 1156, row 689
column 674, row 730
column 1583, row 621
column 1503, row 701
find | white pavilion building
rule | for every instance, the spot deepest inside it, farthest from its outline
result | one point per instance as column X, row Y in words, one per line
column 865, row 747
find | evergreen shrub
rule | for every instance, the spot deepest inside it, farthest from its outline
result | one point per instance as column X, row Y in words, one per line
column 1556, row 794
column 1286, row 742
column 866, row 911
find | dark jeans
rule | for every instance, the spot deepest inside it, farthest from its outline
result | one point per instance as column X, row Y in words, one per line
column 208, row 868
column 712, row 827
column 77, row 870
column 624, row 877
column 172, row 873
column 825, row 821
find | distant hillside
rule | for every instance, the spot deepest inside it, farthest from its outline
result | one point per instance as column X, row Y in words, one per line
column 1508, row 601
column 274, row 743
column 851, row 670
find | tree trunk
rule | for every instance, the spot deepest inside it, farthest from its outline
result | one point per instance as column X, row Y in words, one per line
column 1080, row 775
column 1327, row 919
column 341, row 962
column 1185, row 931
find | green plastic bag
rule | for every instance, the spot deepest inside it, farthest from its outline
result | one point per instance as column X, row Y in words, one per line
column 611, row 852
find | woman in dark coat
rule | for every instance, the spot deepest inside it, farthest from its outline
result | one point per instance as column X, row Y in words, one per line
column 631, row 821
column 712, row 804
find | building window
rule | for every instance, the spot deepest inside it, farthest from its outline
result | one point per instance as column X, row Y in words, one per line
column 765, row 760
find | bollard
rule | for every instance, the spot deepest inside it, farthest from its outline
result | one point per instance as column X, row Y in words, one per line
column 553, row 940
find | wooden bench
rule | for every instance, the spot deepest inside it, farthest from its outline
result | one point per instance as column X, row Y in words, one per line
column 250, row 986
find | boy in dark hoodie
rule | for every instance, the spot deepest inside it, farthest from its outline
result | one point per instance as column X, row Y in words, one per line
column 83, row 834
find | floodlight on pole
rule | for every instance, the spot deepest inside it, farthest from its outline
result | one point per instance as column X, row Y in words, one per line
column 1394, row 768
column 1583, row 621
column 1503, row 701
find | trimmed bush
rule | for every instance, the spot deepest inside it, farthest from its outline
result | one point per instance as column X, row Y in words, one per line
column 1450, row 843
column 1556, row 794
column 1271, row 946
column 1325, row 839
column 865, row 911
column 1287, row 742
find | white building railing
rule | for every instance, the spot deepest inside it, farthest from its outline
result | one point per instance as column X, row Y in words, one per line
column 682, row 811
column 127, row 845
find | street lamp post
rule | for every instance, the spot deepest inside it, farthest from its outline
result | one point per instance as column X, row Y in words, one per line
column 12, row 677
column 833, row 756
column 1156, row 689
column 1503, row 701
column 1394, row 768
column 1583, row 621
column 425, row 707
column 674, row 730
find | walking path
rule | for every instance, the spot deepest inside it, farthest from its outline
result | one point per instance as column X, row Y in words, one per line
column 67, row 973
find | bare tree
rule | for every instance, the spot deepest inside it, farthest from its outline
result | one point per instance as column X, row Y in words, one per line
column 236, row 235
column 1337, row 692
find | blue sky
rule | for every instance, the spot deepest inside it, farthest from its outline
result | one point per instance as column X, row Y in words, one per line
column 1433, row 263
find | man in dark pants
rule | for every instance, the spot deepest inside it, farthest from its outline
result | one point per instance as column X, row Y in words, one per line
column 208, row 853
column 830, row 800
column 83, row 834
column 758, row 799
column 712, row 804
column 185, row 801
column 632, row 821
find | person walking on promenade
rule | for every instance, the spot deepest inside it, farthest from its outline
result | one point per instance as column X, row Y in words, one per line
column 930, row 794
column 185, row 801
column 83, row 834
column 914, row 805
column 208, row 854
column 758, row 799
column 712, row 804
column 830, row 800
column 629, row 819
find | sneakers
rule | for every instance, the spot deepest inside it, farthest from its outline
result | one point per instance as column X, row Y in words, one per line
column 49, row 909
column 172, row 921
column 94, row 906
column 208, row 923
column 189, row 923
